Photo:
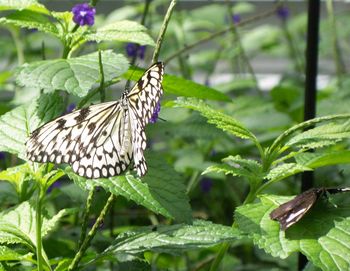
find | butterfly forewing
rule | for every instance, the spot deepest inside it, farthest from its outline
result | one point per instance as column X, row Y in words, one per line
column 292, row 211
column 101, row 140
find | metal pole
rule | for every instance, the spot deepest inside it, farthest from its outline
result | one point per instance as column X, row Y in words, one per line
column 307, row 178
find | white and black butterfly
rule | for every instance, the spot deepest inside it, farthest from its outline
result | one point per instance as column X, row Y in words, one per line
column 292, row 211
column 101, row 140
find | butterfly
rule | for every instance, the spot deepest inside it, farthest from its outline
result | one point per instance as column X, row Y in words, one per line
column 101, row 140
column 292, row 211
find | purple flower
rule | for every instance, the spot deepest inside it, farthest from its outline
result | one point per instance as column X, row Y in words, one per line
column 155, row 113
column 135, row 50
column 2, row 155
column 283, row 12
column 236, row 18
column 56, row 184
column 70, row 108
column 206, row 185
column 83, row 14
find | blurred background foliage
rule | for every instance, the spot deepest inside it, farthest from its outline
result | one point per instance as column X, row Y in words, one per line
column 259, row 66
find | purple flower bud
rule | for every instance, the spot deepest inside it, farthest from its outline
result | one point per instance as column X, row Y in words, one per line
column 135, row 50
column 83, row 14
column 283, row 12
column 2, row 155
column 206, row 185
column 155, row 113
column 70, row 108
column 56, row 184
column 236, row 18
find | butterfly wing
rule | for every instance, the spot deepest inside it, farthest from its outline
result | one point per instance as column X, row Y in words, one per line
column 292, row 211
column 142, row 100
column 90, row 140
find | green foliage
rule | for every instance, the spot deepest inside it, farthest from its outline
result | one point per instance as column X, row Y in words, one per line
column 74, row 75
column 320, row 235
column 182, row 87
column 121, row 31
column 174, row 238
column 31, row 20
column 16, row 125
column 161, row 190
column 222, row 142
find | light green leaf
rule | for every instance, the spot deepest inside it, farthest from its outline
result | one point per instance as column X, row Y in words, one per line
column 7, row 254
column 315, row 160
column 16, row 125
column 127, row 31
column 238, row 166
column 74, row 75
column 285, row 170
column 161, row 190
column 181, row 87
column 23, row 4
column 174, row 238
column 30, row 19
column 216, row 117
column 322, row 235
column 16, row 175
column 321, row 136
column 17, row 225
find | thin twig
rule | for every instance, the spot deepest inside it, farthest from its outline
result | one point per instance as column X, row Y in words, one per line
column 219, row 33
column 86, row 216
column 91, row 234
column 163, row 30
column 102, row 77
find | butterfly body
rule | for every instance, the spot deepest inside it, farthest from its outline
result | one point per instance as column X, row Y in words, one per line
column 101, row 140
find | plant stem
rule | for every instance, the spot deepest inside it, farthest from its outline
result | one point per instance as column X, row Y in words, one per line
column 18, row 43
column 219, row 33
column 102, row 77
column 94, row 92
column 39, row 255
column 86, row 217
column 91, row 234
column 339, row 63
column 163, row 30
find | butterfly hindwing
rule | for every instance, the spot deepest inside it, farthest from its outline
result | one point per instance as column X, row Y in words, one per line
column 101, row 140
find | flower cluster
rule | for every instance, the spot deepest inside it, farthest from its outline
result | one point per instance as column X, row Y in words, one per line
column 155, row 113
column 83, row 14
column 135, row 50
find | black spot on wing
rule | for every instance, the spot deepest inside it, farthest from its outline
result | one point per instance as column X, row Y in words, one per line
column 82, row 114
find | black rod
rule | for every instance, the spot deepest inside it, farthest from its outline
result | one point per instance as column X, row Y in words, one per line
column 307, row 178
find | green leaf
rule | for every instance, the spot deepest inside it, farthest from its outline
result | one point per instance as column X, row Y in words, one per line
column 321, row 136
column 16, row 175
column 216, row 117
column 16, row 125
column 315, row 160
column 23, row 4
column 322, row 235
column 74, row 75
column 127, row 31
column 17, row 225
column 285, row 170
column 161, row 190
column 7, row 254
column 237, row 166
column 181, row 87
column 30, row 19
column 174, row 238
